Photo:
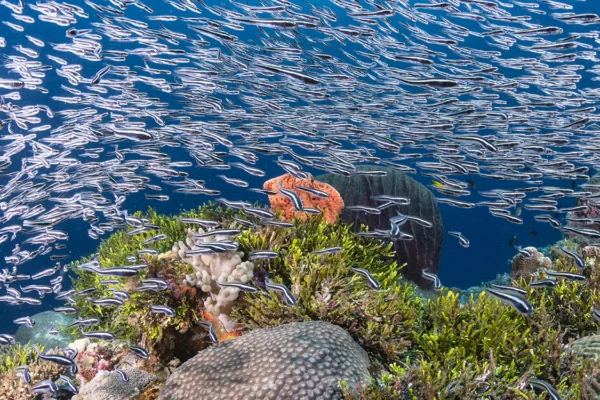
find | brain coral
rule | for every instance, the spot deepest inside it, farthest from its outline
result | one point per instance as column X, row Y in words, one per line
column 331, row 207
column 302, row 360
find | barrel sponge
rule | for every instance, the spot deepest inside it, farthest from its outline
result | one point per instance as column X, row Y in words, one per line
column 331, row 207
column 301, row 360
column 222, row 267
column 424, row 251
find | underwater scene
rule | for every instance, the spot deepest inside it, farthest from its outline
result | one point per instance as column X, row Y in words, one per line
column 299, row 199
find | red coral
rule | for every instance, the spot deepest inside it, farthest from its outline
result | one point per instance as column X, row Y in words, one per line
column 330, row 207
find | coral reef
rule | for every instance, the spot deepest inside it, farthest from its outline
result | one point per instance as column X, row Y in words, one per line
column 298, row 360
column 44, row 322
column 327, row 289
column 589, row 348
column 474, row 291
column 421, row 253
column 331, row 207
column 210, row 269
column 435, row 348
column 448, row 346
column 527, row 267
column 108, row 385
column 16, row 355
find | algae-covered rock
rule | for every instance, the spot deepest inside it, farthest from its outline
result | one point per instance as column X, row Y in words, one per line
column 421, row 253
column 44, row 322
column 304, row 360
column 108, row 385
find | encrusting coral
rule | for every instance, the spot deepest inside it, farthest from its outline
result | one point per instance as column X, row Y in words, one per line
column 210, row 269
column 331, row 207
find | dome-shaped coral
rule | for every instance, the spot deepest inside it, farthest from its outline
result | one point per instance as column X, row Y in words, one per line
column 293, row 361
column 331, row 207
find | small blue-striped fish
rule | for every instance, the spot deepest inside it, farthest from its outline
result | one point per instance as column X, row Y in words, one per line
column 371, row 281
column 211, row 332
column 239, row 285
column 292, row 196
column 433, row 278
column 539, row 384
column 262, row 254
column 514, row 299
column 166, row 310
column 288, row 297
column 328, row 250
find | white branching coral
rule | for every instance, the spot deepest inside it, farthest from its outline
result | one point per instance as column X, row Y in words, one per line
column 222, row 267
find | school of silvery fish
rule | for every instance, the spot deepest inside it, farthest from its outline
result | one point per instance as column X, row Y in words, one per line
column 325, row 85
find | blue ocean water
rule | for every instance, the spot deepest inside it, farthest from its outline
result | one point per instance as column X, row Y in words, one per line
column 489, row 253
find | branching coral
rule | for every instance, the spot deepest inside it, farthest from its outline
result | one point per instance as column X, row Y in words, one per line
column 210, row 269
column 331, row 206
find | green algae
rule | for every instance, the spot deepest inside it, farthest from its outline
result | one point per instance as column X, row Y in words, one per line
column 15, row 356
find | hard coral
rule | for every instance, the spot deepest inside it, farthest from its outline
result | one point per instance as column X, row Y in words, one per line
column 526, row 267
column 218, row 267
column 110, row 386
column 331, row 207
column 292, row 361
